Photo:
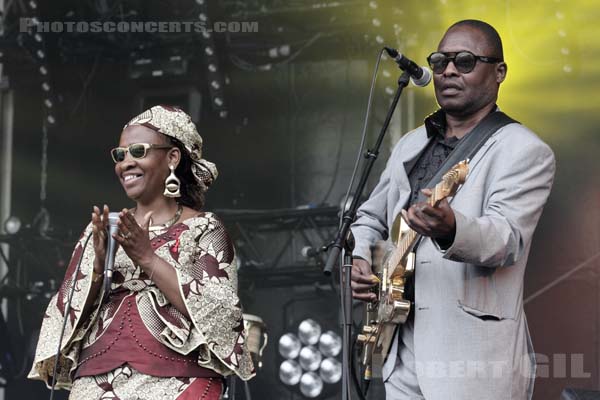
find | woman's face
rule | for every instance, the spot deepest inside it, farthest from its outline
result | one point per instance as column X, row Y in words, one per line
column 144, row 178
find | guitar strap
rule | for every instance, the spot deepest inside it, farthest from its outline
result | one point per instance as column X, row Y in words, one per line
column 466, row 148
column 470, row 144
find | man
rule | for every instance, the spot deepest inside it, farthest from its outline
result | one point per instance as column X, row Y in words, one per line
column 466, row 336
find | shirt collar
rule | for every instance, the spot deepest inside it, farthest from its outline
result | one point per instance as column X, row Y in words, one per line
column 435, row 123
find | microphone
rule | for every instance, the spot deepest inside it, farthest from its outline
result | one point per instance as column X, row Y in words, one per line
column 111, row 250
column 420, row 76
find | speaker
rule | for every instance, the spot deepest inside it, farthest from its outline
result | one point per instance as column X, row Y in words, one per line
column 579, row 394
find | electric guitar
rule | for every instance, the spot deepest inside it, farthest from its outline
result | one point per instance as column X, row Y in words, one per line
column 393, row 264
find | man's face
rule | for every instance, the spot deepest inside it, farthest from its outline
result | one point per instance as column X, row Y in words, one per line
column 463, row 94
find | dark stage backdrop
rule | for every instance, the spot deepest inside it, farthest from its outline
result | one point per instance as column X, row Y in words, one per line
column 291, row 138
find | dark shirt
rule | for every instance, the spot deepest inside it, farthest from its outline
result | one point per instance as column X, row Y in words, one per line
column 425, row 167
column 432, row 157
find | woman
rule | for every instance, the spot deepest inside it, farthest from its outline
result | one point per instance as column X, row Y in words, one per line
column 172, row 326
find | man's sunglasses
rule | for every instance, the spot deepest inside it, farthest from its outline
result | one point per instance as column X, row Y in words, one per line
column 464, row 61
column 137, row 150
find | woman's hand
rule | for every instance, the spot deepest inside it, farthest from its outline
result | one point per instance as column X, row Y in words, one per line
column 99, row 234
column 134, row 238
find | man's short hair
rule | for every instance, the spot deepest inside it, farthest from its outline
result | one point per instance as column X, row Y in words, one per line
column 491, row 35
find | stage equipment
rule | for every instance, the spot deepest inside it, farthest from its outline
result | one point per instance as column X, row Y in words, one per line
column 215, row 78
column 12, row 225
column 185, row 96
column 309, row 359
column 154, row 67
column 257, row 337
column 344, row 238
column 272, row 240
column 420, row 76
column 111, row 251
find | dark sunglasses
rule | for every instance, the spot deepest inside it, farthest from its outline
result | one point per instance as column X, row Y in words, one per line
column 137, row 150
column 464, row 61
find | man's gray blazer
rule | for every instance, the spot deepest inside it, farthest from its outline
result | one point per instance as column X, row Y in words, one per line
column 470, row 333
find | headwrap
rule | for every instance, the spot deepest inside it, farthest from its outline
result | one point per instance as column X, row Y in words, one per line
column 175, row 123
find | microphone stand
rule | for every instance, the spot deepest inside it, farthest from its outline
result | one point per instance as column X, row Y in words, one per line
column 340, row 242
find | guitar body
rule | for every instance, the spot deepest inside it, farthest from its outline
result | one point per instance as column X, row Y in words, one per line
column 394, row 264
column 391, row 307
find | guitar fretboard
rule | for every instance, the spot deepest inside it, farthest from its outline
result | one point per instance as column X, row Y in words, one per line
column 410, row 237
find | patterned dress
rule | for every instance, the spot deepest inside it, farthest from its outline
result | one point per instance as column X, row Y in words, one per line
column 213, row 341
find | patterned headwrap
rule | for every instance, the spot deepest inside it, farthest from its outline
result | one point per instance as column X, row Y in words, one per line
column 175, row 123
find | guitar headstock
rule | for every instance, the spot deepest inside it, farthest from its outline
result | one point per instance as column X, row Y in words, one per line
column 451, row 181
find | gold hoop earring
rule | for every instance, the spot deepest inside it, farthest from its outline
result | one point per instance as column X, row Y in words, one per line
column 172, row 184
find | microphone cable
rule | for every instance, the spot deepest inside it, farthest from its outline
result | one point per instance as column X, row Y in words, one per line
column 67, row 310
column 361, row 147
column 363, row 138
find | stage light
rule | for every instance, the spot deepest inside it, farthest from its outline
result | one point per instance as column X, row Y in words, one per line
column 215, row 85
column 330, row 344
column 218, row 101
column 212, row 67
column 12, row 225
column 389, row 90
column 314, row 353
column 373, row 5
column 330, row 370
column 379, row 39
column 386, row 73
column 284, row 50
column 289, row 346
column 376, row 22
column 48, row 103
column 32, row 5
column 310, row 358
column 290, row 372
column 200, row 2
column 202, row 17
column 51, row 120
column 209, row 51
column 43, row 70
column 38, row 38
column 223, row 114
column 311, row 384
column 309, row 331
column 40, row 53
column 206, row 34
column 45, row 87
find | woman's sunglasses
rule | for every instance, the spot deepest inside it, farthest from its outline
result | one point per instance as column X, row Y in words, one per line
column 464, row 61
column 137, row 150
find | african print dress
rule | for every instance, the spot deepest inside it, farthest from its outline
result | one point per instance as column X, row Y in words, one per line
column 136, row 341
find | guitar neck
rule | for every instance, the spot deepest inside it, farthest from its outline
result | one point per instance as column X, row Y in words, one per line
column 438, row 194
column 411, row 237
column 407, row 242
